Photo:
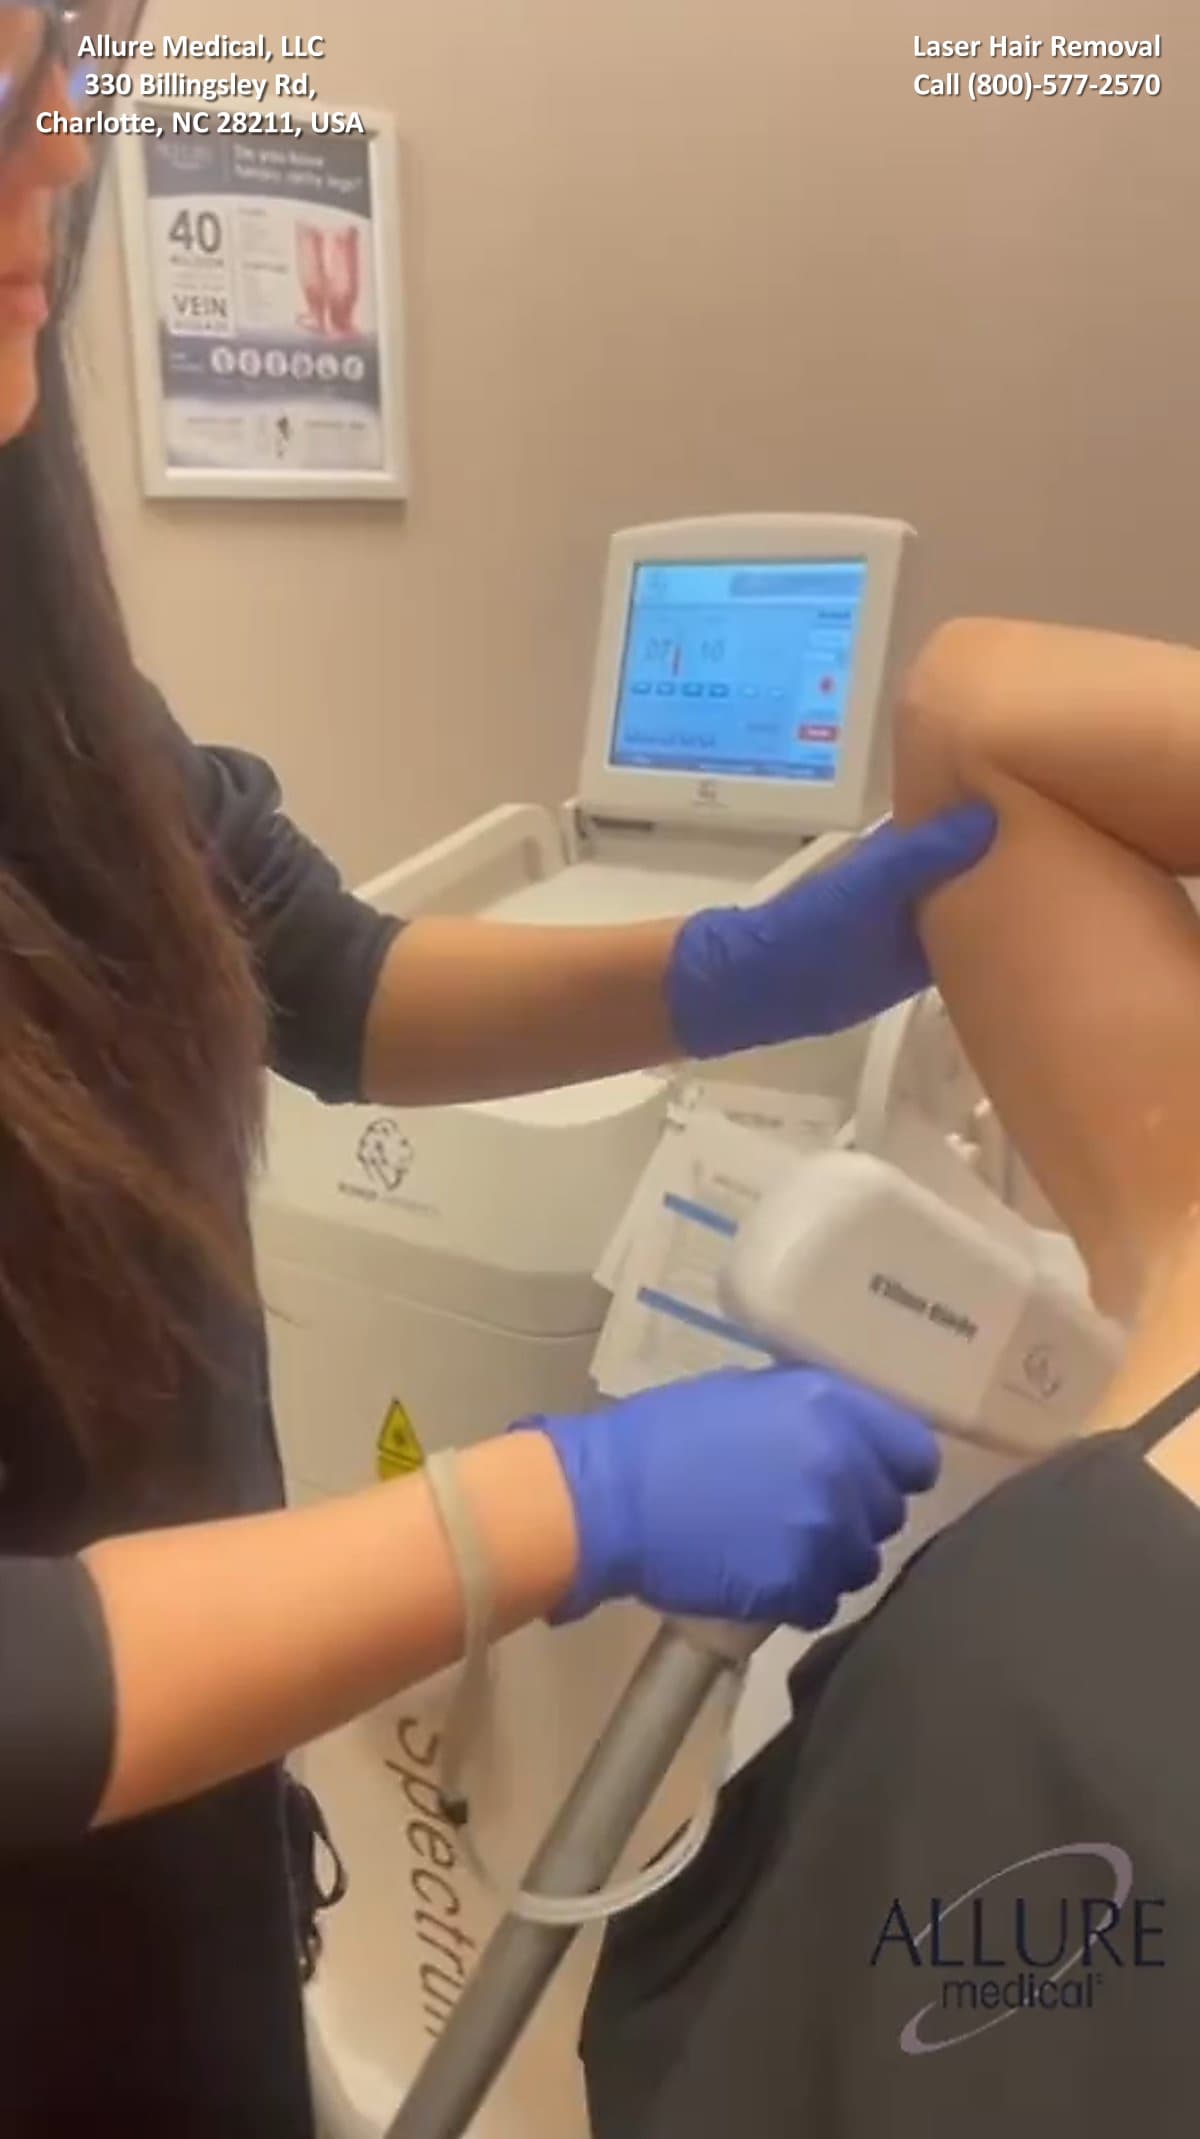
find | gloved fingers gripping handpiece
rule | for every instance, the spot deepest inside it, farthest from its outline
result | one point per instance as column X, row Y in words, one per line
column 733, row 1505
column 747, row 1496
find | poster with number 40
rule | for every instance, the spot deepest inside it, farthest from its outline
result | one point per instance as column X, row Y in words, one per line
column 266, row 297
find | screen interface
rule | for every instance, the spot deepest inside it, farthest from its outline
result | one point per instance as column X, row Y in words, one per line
column 739, row 670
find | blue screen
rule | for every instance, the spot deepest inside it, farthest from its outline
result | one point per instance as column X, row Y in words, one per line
column 739, row 670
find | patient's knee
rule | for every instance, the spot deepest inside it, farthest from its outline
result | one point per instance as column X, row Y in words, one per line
column 931, row 713
column 948, row 719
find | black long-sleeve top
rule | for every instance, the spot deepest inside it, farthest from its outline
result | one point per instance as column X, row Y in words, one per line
column 148, row 1973
column 958, row 1897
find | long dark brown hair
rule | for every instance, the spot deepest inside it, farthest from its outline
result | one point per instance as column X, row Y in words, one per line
column 131, row 1030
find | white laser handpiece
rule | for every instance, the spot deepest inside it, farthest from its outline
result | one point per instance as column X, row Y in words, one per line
column 852, row 1265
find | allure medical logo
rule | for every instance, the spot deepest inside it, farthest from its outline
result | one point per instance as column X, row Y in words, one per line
column 1044, row 1936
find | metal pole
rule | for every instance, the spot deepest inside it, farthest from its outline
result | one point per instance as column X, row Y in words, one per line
column 580, row 1852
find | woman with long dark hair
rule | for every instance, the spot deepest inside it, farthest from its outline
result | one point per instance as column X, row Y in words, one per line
column 167, row 1633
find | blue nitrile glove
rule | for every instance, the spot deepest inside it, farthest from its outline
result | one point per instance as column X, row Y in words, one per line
column 832, row 951
column 759, row 1496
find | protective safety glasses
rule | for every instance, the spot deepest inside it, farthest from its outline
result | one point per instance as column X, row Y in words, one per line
column 33, row 38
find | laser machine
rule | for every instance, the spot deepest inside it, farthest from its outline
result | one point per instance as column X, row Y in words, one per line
column 429, row 1275
column 907, row 1260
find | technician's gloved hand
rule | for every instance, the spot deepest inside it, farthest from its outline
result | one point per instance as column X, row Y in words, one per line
column 830, row 952
column 761, row 1497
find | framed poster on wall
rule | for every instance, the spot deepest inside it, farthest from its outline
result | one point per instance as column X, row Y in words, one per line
column 266, row 308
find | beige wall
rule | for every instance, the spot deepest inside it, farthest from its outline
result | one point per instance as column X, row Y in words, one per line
column 673, row 256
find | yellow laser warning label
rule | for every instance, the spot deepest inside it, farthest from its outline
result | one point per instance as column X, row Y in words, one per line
column 398, row 1450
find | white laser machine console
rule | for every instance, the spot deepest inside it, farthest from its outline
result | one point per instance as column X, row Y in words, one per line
column 431, row 1274
column 913, row 1257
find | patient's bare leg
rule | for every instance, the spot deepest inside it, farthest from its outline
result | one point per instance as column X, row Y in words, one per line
column 1070, row 960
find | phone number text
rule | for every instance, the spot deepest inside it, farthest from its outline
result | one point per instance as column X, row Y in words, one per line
column 1025, row 87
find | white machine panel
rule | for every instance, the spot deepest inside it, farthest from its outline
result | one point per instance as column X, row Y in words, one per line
column 432, row 1270
column 595, row 894
column 743, row 669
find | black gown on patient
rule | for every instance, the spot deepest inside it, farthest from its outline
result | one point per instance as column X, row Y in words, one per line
column 999, row 1767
